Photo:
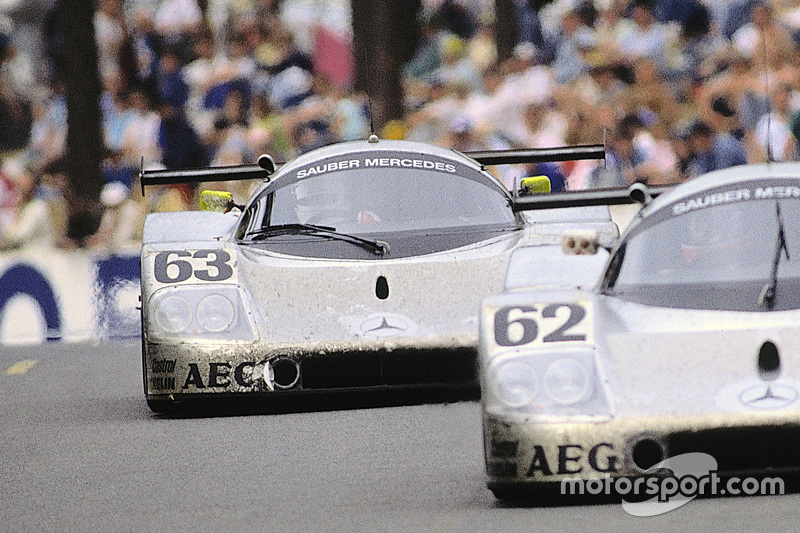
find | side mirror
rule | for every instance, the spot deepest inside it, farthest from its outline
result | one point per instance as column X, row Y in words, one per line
column 580, row 242
column 216, row 201
column 534, row 185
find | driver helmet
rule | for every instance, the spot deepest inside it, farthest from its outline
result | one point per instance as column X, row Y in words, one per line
column 717, row 235
column 316, row 196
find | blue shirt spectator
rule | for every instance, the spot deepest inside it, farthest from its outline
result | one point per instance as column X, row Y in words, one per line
column 712, row 150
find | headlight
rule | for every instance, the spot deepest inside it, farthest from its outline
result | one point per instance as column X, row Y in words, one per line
column 209, row 312
column 215, row 313
column 567, row 381
column 515, row 383
column 549, row 385
column 173, row 314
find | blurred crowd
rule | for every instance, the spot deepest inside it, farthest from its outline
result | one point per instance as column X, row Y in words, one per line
column 674, row 88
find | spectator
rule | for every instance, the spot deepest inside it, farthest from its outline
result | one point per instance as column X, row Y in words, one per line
column 741, row 85
column 426, row 59
column 713, row 150
column 660, row 163
column 9, row 199
column 167, row 198
column 121, row 225
column 599, row 85
column 772, row 139
column 349, row 116
column 140, row 138
column 456, row 67
column 173, row 91
column 648, row 38
column 268, row 131
column 788, row 14
column 622, row 157
column 114, row 170
column 110, row 33
column 30, row 226
column 115, row 109
column 177, row 22
column 178, row 145
column 529, row 25
column 481, row 48
column 462, row 136
column 763, row 30
column 650, row 93
column 48, row 138
column 701, row 46
column 287, row 55
column 611, row 28
column 575, row 37
column 430, row 121
column 146, row 48
column 15, row 111
column 229, row 141
column 544, row 126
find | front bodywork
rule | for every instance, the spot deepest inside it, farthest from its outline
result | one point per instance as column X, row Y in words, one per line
column 229, row 309
column 370, row 316
column 647, row 388
column 610, row 380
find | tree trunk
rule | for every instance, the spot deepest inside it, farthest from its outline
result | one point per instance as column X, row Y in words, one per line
column 85, row 147
column 505, row 28
column 385, row 34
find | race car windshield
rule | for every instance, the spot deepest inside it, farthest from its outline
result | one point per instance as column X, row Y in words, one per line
column 377, row 201
column 732, row 256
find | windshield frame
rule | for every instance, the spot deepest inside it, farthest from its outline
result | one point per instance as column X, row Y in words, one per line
column 259, row 211
column 714, row 291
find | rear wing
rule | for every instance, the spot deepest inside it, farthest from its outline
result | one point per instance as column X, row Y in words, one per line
column 266, row 165
column 637, row 193
column 539, row 155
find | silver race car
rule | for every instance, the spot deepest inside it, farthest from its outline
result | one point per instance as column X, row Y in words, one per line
column 683, row 338
column 357, row 266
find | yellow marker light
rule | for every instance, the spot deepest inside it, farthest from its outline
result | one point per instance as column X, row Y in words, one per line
column 216, row 201
column 534, row 185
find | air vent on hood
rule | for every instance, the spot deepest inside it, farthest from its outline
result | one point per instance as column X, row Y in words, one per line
column 382, row 288
column 769, row 361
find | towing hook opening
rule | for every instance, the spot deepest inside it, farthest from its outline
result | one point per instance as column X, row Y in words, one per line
column 647, row 452
column 285, row 372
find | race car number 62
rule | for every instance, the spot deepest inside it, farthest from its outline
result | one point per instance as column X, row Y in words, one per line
column 518, row 325
column 214, row 264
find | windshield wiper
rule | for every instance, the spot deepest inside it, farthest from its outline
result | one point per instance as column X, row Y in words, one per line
column 767, row 296
column 376, row 247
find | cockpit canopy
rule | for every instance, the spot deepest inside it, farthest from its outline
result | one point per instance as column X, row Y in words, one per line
column 384, row 195
column 733, row 248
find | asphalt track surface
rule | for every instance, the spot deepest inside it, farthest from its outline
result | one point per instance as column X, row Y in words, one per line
column 80, row 451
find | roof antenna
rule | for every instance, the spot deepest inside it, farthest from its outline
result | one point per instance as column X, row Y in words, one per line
column 768, row 144
column 372, row 135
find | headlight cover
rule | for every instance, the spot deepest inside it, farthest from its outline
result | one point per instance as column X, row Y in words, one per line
column 173, row 314
column 515, row 383
column 547, row 385
column 208, row 312
column 215, row 313
column 567, row 381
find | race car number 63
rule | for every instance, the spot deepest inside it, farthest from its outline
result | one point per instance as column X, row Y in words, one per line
column 518, row 325
column 169, row 267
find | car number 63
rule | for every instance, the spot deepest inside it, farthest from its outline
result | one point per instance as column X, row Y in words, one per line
column 204, row 265
column 541, row 323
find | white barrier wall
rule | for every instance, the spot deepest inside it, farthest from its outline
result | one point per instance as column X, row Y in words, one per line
column 68, row 295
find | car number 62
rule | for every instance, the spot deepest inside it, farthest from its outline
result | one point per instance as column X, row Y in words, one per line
column 526, row 324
